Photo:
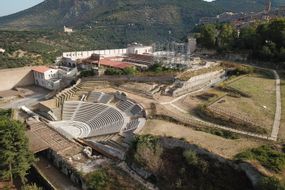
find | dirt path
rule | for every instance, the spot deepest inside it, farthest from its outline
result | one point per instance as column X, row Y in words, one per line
column 278, row 112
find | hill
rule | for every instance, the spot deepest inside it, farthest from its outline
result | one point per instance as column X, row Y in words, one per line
column 100, row 24
column 98, row 13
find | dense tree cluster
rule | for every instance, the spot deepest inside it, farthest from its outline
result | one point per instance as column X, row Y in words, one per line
column 127, row 71
column 15, row 158
column 264, row 41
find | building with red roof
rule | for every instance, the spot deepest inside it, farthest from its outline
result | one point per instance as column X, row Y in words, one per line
column 50, row 78
column 40, row 69
column 114, row 64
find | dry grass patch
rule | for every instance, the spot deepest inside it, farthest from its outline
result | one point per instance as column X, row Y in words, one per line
column 259, row 108
column 225, row 147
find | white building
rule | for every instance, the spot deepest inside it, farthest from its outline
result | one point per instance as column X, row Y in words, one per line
column 108, row 53
column 51, row 78
column 192, row 45
column 136, row 48
column 67, row 30
column 2, row 50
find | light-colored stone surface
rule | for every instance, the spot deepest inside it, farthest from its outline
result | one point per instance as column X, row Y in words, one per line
column 277, row 119
column 16, row 77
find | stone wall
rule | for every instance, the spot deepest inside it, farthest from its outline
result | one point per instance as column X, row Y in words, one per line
column 86, row 54
column 198, row 82
column 16, row 77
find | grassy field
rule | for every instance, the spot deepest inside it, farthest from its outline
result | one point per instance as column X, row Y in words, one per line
column 259, row 107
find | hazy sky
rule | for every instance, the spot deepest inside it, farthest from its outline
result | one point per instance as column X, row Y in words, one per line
column 12, row 6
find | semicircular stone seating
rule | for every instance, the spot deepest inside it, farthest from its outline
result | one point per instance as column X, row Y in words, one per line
column 84, row 119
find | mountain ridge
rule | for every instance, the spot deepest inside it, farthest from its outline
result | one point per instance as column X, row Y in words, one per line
column 79, row 13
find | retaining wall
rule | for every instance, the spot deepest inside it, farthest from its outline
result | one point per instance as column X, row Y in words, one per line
column 16, row 77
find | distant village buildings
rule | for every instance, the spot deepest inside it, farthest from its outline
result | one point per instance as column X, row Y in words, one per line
column 2, row 50
column 244, row 19
column 67, row 30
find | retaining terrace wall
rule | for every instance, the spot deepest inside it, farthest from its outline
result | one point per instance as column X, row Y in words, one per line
column 198, row 82
column 16, row 77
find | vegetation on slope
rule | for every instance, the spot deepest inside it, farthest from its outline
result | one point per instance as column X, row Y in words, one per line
column 273, row 159
column 267, row 156
column 109, row 178
column 56, row 13
column 100, row 24
column 263, row 41
column 183, row 168
column 15, row 158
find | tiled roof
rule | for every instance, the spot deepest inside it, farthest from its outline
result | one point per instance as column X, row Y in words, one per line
column 114, row 64
column 40, row 69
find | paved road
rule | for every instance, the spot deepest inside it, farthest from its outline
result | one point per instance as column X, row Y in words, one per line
column 28, row 101
column 277, row 119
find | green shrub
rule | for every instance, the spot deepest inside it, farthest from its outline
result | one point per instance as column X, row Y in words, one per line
column 111, row 71
column 130, row 71
column 148, row 140
column 270, row 183
column 87, row 73
column 5, row 113
column 191, row 157
column 97, row 180
column 31, row 187
column 266, row 155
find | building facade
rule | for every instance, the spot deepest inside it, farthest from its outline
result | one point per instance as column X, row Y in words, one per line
column 50, row 78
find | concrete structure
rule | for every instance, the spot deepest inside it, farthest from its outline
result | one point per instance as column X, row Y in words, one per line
column 103, row 53
column 107, row 53
column 268, row 5
column 99, row 117
column 50, row 78
column 192, row 45
column 16, row 77
column 136, row 48
column 67, row 30
column 198, row 82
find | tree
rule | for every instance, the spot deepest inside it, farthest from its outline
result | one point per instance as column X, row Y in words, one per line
column 129, row 71
column 248, row 38
column 208, row 36
column 226, row 37
column 276, row 31
column 270, row 183
column 15, row 158
column 31, row 187
column 97, row 180
column 191, row 157
column 111, row 71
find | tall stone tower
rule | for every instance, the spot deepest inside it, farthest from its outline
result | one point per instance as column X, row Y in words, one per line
column 267, row 6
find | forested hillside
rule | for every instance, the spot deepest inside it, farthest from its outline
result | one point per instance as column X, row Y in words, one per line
column 56, row 13
column 262, row 41
column 101, row 24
